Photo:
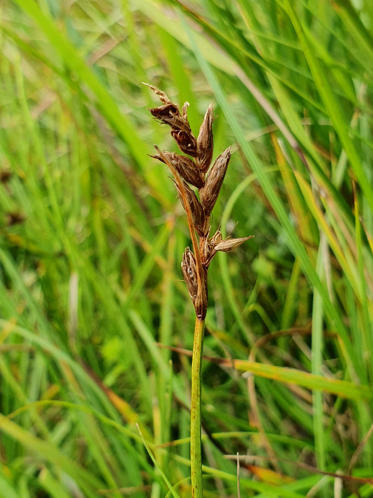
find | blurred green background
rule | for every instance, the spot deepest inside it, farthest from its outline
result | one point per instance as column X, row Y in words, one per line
column 91, row 238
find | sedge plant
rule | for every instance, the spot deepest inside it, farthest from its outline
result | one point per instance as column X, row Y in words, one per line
column 194, row 171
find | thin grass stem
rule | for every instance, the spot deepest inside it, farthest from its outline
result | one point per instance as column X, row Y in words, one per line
column 195, row 411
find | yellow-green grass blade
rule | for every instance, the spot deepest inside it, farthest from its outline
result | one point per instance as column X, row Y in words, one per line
column 332, row 105
column 315, row 382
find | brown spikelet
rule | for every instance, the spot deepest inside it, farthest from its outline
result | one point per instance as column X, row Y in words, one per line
column 216, row 243
column 168, row 114
column 230, row 244
column 186, row 167
column 186, row 141
column 180, row 128
column 188, row 267
column 197, row 294
column 205, row 141
column 210, row 191
column 195, row 207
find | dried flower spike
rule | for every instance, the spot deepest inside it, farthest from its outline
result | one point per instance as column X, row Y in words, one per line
column 192, row 170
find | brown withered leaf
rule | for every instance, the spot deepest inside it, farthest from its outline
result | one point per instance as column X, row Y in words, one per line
column 205, row 141
column 188, row 267
column 195, row 207
column 230, row 244
column 186, row 167
column 209, row 193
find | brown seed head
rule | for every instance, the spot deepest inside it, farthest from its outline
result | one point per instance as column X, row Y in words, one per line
column 186, row 167
column 205, row 141
column 186, row 141
column 194, row 265
column 188, row 267
column 198, row 296
column 209, row 193
column 168, row 113
column 195, row 207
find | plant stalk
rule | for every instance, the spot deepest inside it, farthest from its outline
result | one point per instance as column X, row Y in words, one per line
column 195, row 412
column 197, row 172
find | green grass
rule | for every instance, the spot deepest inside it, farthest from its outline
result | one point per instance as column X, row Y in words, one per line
column 90, row 404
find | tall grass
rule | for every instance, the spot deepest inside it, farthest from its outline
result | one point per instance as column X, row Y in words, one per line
column 93, row 400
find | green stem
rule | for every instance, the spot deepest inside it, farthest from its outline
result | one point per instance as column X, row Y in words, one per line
column 195, row 412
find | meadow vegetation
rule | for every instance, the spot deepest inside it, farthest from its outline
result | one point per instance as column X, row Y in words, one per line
column 96, row 324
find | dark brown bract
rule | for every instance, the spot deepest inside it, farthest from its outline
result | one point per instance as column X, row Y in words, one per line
column 194, row 171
